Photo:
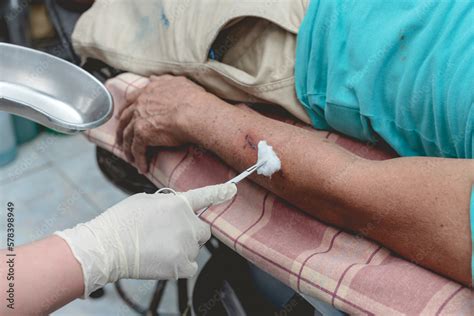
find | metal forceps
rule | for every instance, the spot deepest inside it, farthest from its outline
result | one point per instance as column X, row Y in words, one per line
column 247, row 172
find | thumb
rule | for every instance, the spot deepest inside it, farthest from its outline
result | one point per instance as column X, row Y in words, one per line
column 210, row 195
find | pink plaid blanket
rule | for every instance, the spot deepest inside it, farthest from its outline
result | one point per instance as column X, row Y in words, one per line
column 351, row 273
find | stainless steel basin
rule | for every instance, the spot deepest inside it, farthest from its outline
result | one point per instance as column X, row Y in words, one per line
column 51, row 91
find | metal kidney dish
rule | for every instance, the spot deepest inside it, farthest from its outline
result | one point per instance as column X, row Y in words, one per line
column 51, row 91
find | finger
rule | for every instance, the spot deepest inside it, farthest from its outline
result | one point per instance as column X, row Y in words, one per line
column 210, row 195
column 128, row 134
column 139, row 152
column 131, row 98
column 125, row 119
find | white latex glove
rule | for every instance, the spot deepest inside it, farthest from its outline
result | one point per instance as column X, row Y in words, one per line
column 146, row 236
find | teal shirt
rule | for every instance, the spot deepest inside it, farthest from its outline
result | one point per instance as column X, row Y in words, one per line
column 398, row 70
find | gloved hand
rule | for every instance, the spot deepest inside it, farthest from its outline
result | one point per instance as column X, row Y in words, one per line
column 146, row 236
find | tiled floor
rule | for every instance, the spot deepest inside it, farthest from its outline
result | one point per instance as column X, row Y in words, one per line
column 55, row 183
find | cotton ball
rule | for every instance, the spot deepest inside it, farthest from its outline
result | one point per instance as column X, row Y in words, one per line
column 266, row 153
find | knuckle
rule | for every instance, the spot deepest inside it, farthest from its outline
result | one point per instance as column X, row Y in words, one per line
column 142, row 97
column 140, row 128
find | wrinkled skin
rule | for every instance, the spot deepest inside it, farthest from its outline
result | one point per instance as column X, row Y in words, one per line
column 150, row 117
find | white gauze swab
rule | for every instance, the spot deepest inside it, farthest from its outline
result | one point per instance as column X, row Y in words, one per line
column 266, row 153
column 270, row 164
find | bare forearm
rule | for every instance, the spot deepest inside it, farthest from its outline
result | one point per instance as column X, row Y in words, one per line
column 422, row 206
column 307, row 157
column 418, row 207
column 313, row 168
column 46, row 277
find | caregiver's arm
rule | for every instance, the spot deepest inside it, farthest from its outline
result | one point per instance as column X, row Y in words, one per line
column 418, row 207
column 146, row 236
column 46, row 277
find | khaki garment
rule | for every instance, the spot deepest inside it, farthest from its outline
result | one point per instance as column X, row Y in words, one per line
column 256, row 42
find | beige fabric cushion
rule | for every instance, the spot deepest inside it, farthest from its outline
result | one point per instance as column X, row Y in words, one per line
column 256, row 39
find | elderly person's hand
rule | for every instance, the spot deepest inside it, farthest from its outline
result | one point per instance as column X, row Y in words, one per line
column 152, row 115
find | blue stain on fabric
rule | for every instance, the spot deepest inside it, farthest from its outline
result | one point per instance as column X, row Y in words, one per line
column 144, row 26
column 164, row 18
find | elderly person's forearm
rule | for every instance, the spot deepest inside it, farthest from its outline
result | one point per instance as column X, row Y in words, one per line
column 412, row 205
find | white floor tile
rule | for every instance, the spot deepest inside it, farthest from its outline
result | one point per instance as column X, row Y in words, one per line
column 44, row 202
column 62, row 147
column 28, row 159
column 82, row 169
